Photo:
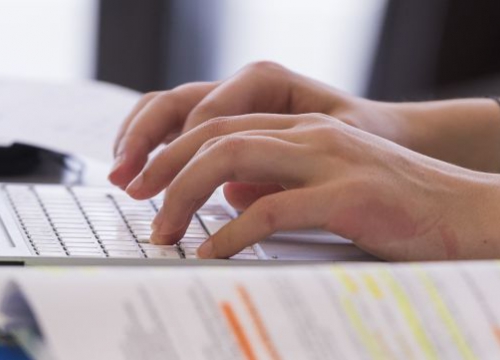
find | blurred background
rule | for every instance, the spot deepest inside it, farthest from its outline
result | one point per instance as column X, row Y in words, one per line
column 384, row 49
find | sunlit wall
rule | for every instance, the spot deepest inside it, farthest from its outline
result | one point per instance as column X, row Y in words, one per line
column 48, row 39
column 332, row 40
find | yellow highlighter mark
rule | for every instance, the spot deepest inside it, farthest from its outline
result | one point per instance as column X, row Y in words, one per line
column 365, row 335
column 407, row 310
column 346, row 280
column 372, row 286
column 446, row 316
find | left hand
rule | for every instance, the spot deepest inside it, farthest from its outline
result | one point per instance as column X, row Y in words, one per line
column 318, row 172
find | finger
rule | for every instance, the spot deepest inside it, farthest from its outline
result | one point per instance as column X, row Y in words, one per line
column 287, row 210
column 240, row 159
column 164, row 114
column 242, row 195
column 137, row 108
column 169, row 162
column 262, row 87
column 173, row 237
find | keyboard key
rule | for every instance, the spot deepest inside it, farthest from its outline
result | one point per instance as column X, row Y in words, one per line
column 195, row 235
column 116, row 227
column 80, row 240
column 47, row 237
column 185, row 245
column 121, row 247
column 143, row 239
column 71, row 235
column 110, row 234
column 155, row 247
column 51, row 253
column 125, row 254
column 244, row 257
column 49, row 247
column 118, row 242
column 72, row 228
column 86, row 253
column 167, row 253
column 43, row 242
column 192, row 240
column 82, row 246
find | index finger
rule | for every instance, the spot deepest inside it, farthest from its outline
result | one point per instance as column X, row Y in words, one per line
column 165, row 113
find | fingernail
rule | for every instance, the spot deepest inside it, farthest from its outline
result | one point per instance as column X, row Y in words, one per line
column 135, row 185
column 156, row 239
column 206, row 250
column 118, row 163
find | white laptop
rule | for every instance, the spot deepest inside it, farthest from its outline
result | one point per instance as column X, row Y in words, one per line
column 60, row 225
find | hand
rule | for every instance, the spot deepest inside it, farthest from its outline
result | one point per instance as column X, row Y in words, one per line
column 392, row 202
column 258, row 88
column 463, row 132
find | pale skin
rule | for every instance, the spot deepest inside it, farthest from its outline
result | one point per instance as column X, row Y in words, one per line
column 403, row 181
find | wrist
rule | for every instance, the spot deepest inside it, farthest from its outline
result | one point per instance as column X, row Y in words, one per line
column 464, row 132
column 479, row 216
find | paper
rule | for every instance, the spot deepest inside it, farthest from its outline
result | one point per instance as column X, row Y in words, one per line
column 363, row 311
column 79, row 118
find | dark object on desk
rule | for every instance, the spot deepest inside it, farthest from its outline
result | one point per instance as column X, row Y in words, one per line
column 9, row 349
column 19, row 159
column 28, row 164
column 13, row 353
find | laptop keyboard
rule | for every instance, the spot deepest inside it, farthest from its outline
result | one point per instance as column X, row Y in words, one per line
column 59, row 221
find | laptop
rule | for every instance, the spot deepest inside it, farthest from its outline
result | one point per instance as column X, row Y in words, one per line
column 75, row 225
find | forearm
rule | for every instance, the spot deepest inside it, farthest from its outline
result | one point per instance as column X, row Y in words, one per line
column 462, row 132
column 476, row 225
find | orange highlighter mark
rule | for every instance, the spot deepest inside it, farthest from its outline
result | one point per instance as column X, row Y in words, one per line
column 496, row 332
column 259, row 324
column 237, row 330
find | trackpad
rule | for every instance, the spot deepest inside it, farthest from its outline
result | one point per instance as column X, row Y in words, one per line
column 312, row 245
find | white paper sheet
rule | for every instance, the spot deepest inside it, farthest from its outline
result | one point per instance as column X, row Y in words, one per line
column 79, row 118
column 363, row 311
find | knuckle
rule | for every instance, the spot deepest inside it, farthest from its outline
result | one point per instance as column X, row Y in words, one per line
column 312, row 121
column 225, row 244
column 159, row 165
column 149, row 96
column 167, row 95
column 268, row 210
column 324, row 132
column 188, row 86
column 232, row 145
column 208, row 144
column 215, row 127
column 204, row 111
column 317, row 119
column 320, row 118
column 208, row 106
column 264, row 66
column 171, row 98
